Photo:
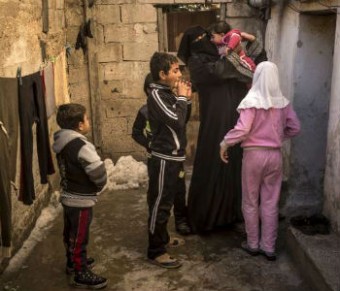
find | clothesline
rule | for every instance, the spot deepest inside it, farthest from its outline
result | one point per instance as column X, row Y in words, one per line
column 42, row 66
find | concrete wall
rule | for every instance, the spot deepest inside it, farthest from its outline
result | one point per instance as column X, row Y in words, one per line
column 21, row 33
column 300, row 39
column 332, row 177
column 281, row 38
column 241, row 16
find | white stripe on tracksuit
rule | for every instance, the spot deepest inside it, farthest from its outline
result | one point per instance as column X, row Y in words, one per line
column 167, row 157
column 174, row 135
column 159, row 197
column 161, row 104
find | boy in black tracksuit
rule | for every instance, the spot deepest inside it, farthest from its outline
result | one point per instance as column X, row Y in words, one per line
column 167, row 117
column 83, row 175
column 141, row 133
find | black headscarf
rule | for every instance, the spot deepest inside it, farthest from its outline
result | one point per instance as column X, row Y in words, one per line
column 196, row 40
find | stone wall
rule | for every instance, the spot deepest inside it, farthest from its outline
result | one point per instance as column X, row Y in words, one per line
column 21, row 37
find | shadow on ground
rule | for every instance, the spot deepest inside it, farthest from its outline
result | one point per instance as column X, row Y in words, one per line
column 118, row 243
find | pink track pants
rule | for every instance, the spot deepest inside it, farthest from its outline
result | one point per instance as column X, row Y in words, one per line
column 261, row 186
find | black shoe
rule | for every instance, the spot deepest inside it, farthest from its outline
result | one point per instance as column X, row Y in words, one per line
column 88, row 279
column 270, row 256
column 248, row 249
column 183, row 228
column 89, row 263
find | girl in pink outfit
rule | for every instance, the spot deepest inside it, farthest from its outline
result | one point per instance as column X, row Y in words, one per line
column 232, row 41
column 228, row 40
column 266, row 120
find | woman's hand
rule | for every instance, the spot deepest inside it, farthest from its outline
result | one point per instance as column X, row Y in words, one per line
column 224, row 152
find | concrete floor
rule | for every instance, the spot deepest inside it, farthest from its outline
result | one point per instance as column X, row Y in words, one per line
column 118, row 243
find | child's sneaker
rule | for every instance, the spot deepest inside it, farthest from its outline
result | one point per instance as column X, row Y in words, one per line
column 89, row 263
column 88, row 279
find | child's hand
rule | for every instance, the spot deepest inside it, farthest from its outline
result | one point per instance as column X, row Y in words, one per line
column 227, row 51
column 189, row 90
column 248, row 36
column 224, row 152
column 183, row 88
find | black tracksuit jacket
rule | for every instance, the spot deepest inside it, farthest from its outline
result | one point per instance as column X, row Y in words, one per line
column 168, row 115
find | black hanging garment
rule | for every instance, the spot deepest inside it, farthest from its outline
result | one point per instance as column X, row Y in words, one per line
column 32, row 110
column 5, row 190
column 8, row 157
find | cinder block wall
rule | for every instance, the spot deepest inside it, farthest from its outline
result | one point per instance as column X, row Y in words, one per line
column 125, row 37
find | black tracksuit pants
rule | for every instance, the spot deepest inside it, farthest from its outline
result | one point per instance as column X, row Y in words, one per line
column 180, row 207
column 32, row 110
column 77, row 223
column 163, row 179
column 180, row 204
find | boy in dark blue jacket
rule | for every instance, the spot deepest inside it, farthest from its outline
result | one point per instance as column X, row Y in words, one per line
column 83, row 176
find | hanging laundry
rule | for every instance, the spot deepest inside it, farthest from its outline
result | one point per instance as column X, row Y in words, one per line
column 84, row 32
column 8, row 157
column 5, row 197
column 48, row 84
column 88, row 28
column 81, row 39
column 32, row 110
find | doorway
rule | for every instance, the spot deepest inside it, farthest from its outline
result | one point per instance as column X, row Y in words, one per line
column 312, row 90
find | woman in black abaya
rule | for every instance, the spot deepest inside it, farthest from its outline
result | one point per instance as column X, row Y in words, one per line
column 215, row 190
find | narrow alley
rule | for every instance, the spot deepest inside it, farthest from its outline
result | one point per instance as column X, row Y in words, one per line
column 97, row 53
column 118, row 243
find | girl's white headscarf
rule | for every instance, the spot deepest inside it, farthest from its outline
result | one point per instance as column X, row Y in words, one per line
column 265, row 92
